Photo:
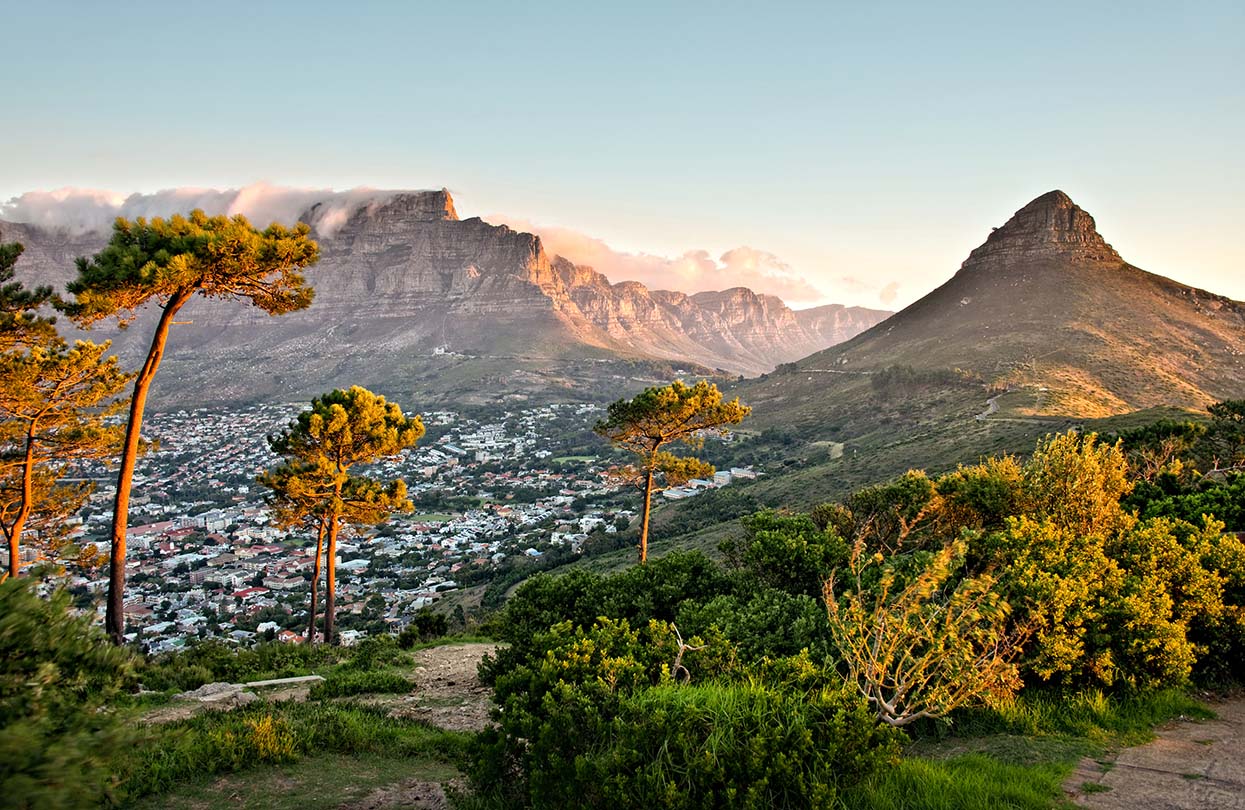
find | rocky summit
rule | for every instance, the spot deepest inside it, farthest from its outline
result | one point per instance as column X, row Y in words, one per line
column 412, row 299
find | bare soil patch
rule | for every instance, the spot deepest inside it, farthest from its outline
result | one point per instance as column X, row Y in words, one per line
column 447, row 691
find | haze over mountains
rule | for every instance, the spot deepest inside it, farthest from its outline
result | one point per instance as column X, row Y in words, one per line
column 1046, row 307
column 407, row 295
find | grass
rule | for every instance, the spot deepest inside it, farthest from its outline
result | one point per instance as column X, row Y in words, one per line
column 969, row 782
column 561, row 459
column 316, row 782
column 431, row 517
column 280, row 734
column 1018, row 755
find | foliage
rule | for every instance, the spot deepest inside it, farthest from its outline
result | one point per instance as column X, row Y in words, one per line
column 788, row 552
column 1221, row 498
column 657, row 417
column 741, row 745
column 916, row 648
column 1110, row 600
column 425, row 626
column 55, row 404
column 58, row 679
column 653, row 591
column 768, row 622
column 21, row 324
column 553, row 705
column 212, row 661
column 373, row 653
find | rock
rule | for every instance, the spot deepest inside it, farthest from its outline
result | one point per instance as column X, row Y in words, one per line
column 211, row 691
column 220, row 694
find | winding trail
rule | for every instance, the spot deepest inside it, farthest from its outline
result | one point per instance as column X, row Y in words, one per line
column 1190, row 766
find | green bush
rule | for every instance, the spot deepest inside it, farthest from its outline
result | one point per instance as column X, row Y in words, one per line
column 58, row 677
column 788, row 552
column 372, row 653
column 654, row 591
column 345, row 682
column 768, row 623
column 425, row 626
column 740, row 745
column 554, row 705
column 698, row 746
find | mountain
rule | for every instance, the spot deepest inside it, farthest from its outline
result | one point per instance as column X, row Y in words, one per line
column 410, row 298
column 1047, row 308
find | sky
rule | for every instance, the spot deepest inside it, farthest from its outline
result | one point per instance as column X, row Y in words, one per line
column 827, row 152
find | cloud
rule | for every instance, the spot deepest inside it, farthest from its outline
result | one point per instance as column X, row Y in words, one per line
column 889, row 293
column 693, row 271
column 81, row 209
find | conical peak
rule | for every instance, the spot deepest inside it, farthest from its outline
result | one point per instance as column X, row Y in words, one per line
column 1052, row 225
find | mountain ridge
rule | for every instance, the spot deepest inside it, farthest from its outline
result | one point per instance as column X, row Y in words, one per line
column 402, row 277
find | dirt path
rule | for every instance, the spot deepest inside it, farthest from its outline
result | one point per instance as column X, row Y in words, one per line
column 1190, row 766
column 447, row 691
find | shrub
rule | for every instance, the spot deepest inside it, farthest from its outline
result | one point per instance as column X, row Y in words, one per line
column 653, row 591
column 555, row 703
column 372, row 653
column 788, row 552
column 58, row 675
column 740, row 745
column 769, row 622
column 425, row 626
column 916, row 646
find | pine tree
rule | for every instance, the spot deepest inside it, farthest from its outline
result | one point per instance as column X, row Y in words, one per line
column 655, row 418
column 341, row 430
column 20, row 322
column 54, row 402
column 168, row 261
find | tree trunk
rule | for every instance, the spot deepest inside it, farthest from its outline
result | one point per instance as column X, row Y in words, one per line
column 648, row 502
column 114, row 620
column 315, row 584
column 23, row 510
column 330, row 587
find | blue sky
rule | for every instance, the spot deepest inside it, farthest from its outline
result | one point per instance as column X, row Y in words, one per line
column 864, row 145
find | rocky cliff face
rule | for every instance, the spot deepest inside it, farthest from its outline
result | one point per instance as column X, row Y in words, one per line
column 1050, row 226
column 403, row 283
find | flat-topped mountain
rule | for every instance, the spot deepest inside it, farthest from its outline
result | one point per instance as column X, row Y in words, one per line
column 1046, row 305
column 407, row 293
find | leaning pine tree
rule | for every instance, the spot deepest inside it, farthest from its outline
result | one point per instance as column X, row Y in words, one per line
column 314, row 484
column 168, row 261
column 657, row 417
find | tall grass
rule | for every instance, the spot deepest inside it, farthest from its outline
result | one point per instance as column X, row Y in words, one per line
column 1092, row 715
column 971, row 782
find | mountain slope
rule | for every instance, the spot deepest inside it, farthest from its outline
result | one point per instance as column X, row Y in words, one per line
column 1046, row 303
column 409, row 298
